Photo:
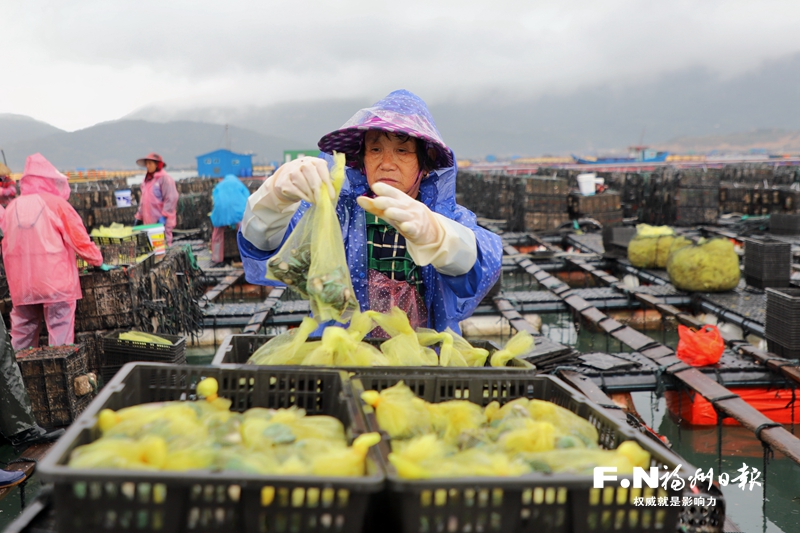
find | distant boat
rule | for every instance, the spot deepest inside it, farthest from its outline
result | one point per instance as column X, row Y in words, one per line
column 639, row 154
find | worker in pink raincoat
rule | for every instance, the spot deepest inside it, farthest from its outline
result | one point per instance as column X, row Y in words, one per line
column 159, row 203
column 8, row 187
column 42, row 234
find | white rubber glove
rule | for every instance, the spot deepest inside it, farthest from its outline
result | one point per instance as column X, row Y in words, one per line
column 431, row 238
column 411, row 218
column 301, row 179
column 270, row 209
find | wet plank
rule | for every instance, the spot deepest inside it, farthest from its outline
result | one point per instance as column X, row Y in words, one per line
column 588, row 388
column 723, row 399
column 257, row 320
column 730, row 527
column 35, row 452
column 223, row 285
column 513, row 317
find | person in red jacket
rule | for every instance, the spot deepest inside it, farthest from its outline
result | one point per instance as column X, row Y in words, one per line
column 42, row 234
column 159, row 203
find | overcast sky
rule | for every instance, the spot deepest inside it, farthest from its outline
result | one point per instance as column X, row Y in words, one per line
column 76, row 63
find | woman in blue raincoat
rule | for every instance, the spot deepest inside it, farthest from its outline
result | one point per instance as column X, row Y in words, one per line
column 408, row 243
column 230, row 198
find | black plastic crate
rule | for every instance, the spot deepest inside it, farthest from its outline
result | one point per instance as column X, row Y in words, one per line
column 205, row 501
column 779, row 349
column 768, row 260
column 107, row 372
column 555, row 503
column 117, row 352
column 783, row 335
column 784, row 224
column 237, row 349
column 139, row 238
column 789, row 298
column 617, row 238
column 49, row 373
column 764, row 283
column 783, row 315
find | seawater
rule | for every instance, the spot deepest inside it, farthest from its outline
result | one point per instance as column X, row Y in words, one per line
column 774, row 510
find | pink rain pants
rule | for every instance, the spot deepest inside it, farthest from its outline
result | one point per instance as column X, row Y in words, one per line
column 218, row 242
column 26, row 322
column 218, row 245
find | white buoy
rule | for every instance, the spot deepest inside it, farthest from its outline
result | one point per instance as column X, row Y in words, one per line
column 630, row 281
column 757, row 341
column 492, row 326
column 731, row 330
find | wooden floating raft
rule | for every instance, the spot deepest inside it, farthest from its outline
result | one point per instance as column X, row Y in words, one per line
column 728, row 403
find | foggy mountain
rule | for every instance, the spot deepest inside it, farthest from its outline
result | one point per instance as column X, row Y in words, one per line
column 305, row 121
column 692, row 110
column 119, row 144
column 14, row 128
column 689, row 103
column 772, row 140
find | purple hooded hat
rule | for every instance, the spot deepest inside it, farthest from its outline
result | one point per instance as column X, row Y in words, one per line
column 399, row 112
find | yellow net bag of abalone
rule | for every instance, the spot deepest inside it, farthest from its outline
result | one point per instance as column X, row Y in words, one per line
column 312, row 261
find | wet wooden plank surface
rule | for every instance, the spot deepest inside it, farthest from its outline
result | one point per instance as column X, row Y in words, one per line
column 257, row 320
column 36, row 452
column 223, row 285
column 724, row 400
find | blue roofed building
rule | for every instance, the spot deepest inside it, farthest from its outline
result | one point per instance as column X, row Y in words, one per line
column 220, row 163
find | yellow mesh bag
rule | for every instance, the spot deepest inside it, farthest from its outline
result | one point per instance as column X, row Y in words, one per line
column 312, row 261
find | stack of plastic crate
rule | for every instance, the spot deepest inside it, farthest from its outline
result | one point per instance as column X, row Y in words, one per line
column 783, row 322
column 784, row 224
column 117, row 352
column 767, row 262
column 49, row 374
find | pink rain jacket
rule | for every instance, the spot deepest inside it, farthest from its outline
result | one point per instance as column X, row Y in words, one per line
column 159, row 199
column 42, row 233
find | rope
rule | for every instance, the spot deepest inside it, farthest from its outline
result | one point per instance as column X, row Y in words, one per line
column 169, row 303
column 762, row 427
column 720, row 418
column 23, row 459
column 768, row 454
column 721, row 398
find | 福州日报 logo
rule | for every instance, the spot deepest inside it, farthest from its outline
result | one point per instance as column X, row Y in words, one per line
column 672, row 480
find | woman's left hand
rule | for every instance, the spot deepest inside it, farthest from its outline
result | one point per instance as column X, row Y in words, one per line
column 411, row 218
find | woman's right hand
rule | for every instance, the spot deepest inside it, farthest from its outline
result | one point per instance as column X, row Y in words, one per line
column 301, row 179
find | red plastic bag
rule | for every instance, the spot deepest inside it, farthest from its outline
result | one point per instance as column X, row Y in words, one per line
column 700, row 348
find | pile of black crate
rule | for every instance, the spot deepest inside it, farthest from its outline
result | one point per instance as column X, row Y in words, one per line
column 757, row 200
column 632, row 188
column 605, row 207
column 50, row 374
column 784, row 224
column 767, row 262
column 683, row 197
column 487, row 194
column 750, row 173
column 95, row 202
column 540, row 203
column 783, row 322
column 526, row 203
column 697, row 196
